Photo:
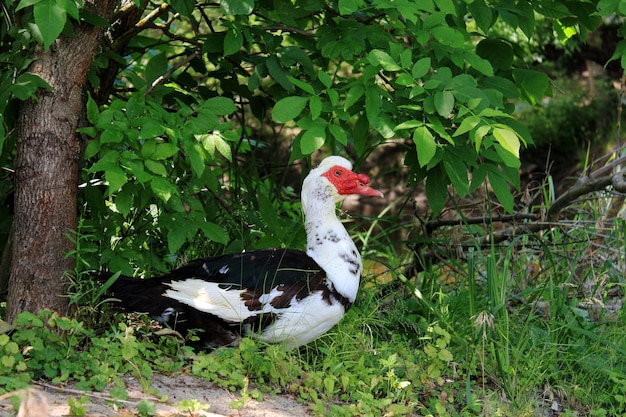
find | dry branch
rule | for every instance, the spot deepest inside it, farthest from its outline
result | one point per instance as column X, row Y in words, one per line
column 525, row 223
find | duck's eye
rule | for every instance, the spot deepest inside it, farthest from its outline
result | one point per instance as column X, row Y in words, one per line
column 338, row 173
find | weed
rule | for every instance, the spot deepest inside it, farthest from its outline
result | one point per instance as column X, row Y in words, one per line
column 192, row 406
column 78, row 405
column 146, row 408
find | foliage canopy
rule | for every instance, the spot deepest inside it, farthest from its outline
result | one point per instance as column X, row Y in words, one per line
column 186, row 86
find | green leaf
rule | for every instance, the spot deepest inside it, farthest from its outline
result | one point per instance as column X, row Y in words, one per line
column 136, row 167
column 445, row 355
column 333, row 96
column 507, row 157
column 92, row 110
column 436, row 189
column 307, row 88
column 313, row 139
column 237, row 7
column 526, row 17
column 163, row 189
column 436, row 125
column 348, row 6
column 404, row 79
column 112, row 135
column 383, row 59
column 479, row 174
column 501, row 190
column 26, row 3
column 215, row 141
column 373, row 102
column 482, row 14
column 214, row 232
column 145, row 407
column 164, row 151
column 425, row 145
column 503, row 85
column 409, row 124
column 444, row 103
column 534, row 85
column 315, row 104
column 324, row 78
column 221, row 106
column 449, row 36
column 355, row 93
column 177, row 236
column 184, row 7
column 479, row 133
column 446, row 6
column 156, row 66
column 233, row 42
column 508, row 139
column 223, row 147
column 406, row 58
column 479, row 64
column 151, row 129
column 70, row 8
column 339, row 134
column 421, row 68
column 383, row 125
column 93, row 147
column 457, row 172
column 196, row 158
column 156, row 167
column 116, row 178
column 268, row 215
column 27, row 85
column 497, row 52
column 278, row 73
column 7, row 362
column 124, row 202
column 288, row 108
column 606, row 7
column 551, row 8
column 148, row 148
column 50, row 18
column 466, row 125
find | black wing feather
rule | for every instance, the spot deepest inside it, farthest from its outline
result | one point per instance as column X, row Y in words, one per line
column 258, row 272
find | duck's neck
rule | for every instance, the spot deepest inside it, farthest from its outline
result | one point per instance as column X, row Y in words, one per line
column 329, row 244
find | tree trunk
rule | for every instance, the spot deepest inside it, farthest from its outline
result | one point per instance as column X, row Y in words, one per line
column 47, row 171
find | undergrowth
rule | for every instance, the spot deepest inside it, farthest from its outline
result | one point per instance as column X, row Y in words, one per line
column 531, row 326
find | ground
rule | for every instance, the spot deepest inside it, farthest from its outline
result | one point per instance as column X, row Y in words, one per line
column 52, row 401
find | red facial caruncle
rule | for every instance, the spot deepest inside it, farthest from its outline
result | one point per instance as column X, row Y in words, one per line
column 348, row 182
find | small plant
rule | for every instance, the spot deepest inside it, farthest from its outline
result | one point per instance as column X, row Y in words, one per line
column 78, row 406
column 146, row 408
column 192, row 406
column 60, row 349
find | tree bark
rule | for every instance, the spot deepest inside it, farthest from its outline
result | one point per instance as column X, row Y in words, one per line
column 47, row 171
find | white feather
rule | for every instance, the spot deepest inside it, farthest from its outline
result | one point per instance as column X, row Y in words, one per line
column 319, row 198
column 209, row 297
column 222, row 302
column 305, row 320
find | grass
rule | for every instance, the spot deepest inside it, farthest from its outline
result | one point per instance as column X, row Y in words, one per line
column 512, row 330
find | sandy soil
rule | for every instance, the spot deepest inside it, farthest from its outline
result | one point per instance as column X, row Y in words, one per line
column 49, row 401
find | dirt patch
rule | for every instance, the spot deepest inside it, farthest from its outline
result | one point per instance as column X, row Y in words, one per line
column 51, row 401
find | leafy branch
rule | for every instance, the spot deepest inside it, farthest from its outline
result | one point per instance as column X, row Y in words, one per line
column 523, row 223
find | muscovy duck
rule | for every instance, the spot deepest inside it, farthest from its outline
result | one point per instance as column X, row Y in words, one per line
column 275, row 295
